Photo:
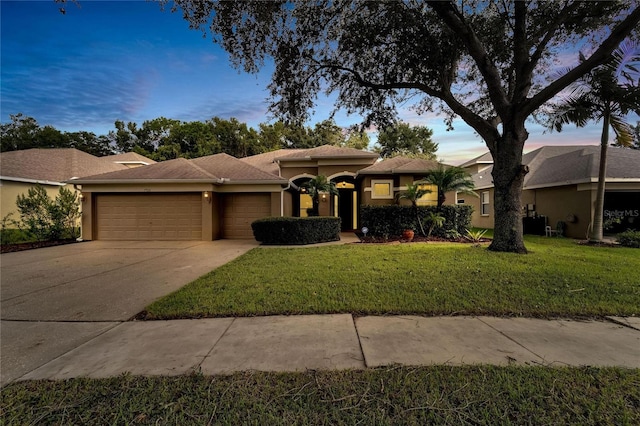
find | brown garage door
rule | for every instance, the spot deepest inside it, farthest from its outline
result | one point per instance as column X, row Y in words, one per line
column 149, row 216
column 242, row 209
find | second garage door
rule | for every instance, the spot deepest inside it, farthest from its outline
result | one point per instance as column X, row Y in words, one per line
column 240, row 210
column 149, row 217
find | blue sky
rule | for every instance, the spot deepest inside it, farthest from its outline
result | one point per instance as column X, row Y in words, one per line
column 130, row 61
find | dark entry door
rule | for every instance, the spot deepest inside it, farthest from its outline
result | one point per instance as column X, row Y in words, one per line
column 345, row 208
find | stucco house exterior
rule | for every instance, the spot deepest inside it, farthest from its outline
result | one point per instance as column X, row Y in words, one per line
column 561, row 186
column 219, row 196
column 52, row 169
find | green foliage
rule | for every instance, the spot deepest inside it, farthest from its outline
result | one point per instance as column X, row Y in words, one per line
column 10, row 233
column 433, row 220
column 444, row 395
column 475, row 235
column 25, row 133
column 450, row 179
column 47, row 219
column 629, row 238
column 486, row 62
column 387, row 221
column 296, row 230
column 401, row 139
column 422, row 279
column 317, row 185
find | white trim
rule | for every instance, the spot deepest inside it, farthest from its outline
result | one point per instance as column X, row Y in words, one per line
column 41, row 182
column 303, row 175
column 144, row 163
column 345, row 173
column 482, row 203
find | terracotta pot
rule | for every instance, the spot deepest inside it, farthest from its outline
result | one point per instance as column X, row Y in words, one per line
column 408, row 234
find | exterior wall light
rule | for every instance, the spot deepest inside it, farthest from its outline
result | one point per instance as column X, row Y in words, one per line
column 206, row 196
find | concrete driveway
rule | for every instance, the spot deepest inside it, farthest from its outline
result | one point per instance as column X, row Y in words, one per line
column 56, row 298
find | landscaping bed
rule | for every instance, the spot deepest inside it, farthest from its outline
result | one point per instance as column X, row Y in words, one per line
column 9, row 248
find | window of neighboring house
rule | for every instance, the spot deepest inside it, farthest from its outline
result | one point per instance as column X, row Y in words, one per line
column 484, row 207
column 431, row 198
column 381, row 189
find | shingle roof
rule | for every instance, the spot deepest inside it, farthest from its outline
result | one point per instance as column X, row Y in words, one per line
column 266, row 161
column 397, row 165
column 233, row 169
column 172, row 170
column 212, row 168
column 567, row 165
column 54, row 165
column 482, row 159
column 326, row 151
column 129, row 157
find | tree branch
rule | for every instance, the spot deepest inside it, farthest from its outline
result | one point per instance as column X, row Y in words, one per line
column 600, row 56
column 448, row 12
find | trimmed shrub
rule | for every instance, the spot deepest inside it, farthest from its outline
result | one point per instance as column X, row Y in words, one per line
column 296, row 230
column 390, row 221
column 629, row 238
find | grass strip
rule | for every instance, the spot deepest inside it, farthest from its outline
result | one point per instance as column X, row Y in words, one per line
column 443, row 395
column 558, row 278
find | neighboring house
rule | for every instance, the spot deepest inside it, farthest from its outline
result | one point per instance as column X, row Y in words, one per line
column 561, row 186
column 219, row 196
column 51, row 168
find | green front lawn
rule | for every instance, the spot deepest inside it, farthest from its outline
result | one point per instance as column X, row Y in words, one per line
column 442, row 395
column 557, row 278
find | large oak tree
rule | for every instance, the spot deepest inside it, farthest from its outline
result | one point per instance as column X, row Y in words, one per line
column 487, row 62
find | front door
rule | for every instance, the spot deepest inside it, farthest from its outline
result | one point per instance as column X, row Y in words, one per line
column 346, row 208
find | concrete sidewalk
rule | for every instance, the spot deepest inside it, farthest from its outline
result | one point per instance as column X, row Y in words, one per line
column 298, row 343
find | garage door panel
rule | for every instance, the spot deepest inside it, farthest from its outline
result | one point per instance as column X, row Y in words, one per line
column 149, row 216
column 240, row 210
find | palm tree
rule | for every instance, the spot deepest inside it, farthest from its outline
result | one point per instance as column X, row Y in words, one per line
column 317, row 185
column 608, row 93
column 414, row 192
column 450, row 179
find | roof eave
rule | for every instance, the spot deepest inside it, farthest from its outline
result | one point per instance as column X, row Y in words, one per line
column 38, row 181
column 137, row 181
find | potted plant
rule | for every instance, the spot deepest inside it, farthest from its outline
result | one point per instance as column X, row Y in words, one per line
column 408, row 233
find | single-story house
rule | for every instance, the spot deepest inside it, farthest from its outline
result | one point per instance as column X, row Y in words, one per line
column 52, row 169
column 219, row 196
column 561, row 186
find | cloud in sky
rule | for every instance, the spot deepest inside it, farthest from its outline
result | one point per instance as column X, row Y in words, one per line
column 107, row 61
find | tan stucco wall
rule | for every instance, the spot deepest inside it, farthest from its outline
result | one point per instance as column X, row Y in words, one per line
column 289, row 172
column 9, row 191
column 287, row 204
column 478, row 220
column 216, row 217
column 559, row 202
column 555, row 203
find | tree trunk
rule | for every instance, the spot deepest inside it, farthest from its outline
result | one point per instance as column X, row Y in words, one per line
column 597, row 225
column 508, row 179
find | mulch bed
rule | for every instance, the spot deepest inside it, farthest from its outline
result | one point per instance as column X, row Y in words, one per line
column 9, row 248
column 416, row 239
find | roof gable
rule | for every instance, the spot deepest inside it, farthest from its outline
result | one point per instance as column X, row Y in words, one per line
column 171, row 170
column 400, row 165
column 233, row 169
column 326, row 151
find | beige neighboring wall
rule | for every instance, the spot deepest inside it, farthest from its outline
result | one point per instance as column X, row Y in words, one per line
column 9, row 191
column 563, row 203
column 477, row 219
